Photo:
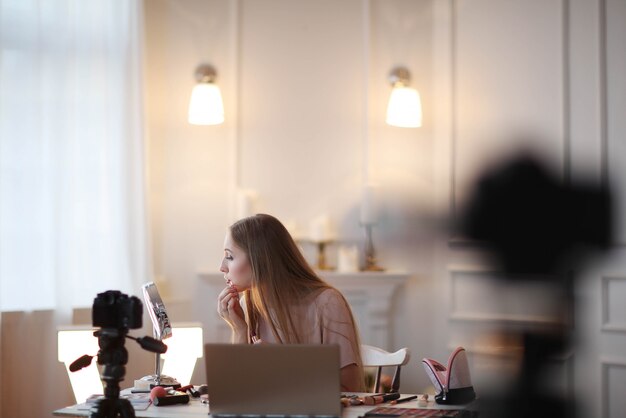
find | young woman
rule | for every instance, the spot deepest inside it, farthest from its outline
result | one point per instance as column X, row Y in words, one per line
column 284, row 301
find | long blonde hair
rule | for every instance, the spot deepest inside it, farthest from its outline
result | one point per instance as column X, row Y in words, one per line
column 280, row 276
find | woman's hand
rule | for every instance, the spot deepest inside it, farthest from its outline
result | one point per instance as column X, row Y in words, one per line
column 230, row 310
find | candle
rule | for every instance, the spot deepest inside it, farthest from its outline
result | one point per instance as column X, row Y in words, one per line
column 368, row 205
column 245, row 203
column 348, row 259
column 321, row 229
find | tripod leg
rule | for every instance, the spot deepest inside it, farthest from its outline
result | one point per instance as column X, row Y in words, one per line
column 125, row 408
column 113, row 408
column 103, row 408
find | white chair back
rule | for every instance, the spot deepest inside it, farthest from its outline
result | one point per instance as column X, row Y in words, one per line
column 379, row 358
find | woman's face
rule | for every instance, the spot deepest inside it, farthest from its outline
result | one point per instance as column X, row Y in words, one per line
column 235, row 265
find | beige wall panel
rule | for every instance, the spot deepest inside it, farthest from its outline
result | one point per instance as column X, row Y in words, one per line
column 613, row 384
column 508, row 83
column 615, row 56
column 189, row 166
column 483, row 295
column 301, row 81
column 612, row 304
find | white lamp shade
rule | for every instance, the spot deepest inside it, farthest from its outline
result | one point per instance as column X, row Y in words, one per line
column 206, row 106
column 405, row 108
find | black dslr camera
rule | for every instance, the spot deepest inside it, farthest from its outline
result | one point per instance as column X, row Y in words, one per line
column 113, row 309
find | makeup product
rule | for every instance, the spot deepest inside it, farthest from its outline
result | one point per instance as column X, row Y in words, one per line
column 353, row 399
column 377, row 399
column 401, row 400
column 157, row 391
column 189, row 389
column 395, row 412
column 176, row 398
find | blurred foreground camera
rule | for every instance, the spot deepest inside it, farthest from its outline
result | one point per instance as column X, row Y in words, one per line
column 538, row 227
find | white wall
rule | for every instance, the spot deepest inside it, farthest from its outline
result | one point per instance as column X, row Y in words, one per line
column 305, row 93
column 190, row 166
column 304, row 129
column 294, row 131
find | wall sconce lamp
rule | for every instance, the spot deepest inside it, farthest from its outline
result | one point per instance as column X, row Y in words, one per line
column 405, row 107
column 206, row 106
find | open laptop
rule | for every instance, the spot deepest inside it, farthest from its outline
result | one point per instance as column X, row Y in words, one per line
column 273, row 379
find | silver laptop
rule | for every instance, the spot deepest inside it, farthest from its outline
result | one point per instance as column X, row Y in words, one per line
column 273, row 379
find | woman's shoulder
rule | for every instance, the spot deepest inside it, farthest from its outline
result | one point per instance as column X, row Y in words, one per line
column 330, row 297
column 328, row 294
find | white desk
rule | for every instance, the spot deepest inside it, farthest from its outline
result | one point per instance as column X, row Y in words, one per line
column 197, row 409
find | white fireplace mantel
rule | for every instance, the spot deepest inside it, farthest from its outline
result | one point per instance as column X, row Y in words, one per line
column 370, row 295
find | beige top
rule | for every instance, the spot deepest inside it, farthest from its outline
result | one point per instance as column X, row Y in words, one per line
column 324, row 319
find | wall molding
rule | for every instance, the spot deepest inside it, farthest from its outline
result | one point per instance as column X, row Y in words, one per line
column 458, row 241
column 453, row 109
column 602, row 64
column 458, row 272
column 603, row 57
column 505, row 320
column 605, row 303
column 566, row 98
column 606, row 364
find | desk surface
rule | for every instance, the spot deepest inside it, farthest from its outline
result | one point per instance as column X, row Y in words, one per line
column 195, row 408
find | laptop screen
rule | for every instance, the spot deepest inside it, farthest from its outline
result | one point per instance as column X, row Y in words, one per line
column 273, row 379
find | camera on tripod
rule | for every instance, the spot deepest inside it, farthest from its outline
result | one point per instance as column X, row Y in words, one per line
column 113, row 309
column 115, row 313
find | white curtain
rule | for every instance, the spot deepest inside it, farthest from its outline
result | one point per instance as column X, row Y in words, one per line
column 72, row 182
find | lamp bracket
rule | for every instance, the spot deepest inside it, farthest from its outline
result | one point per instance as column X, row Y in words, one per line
column 399, row 76
column 205, row 73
